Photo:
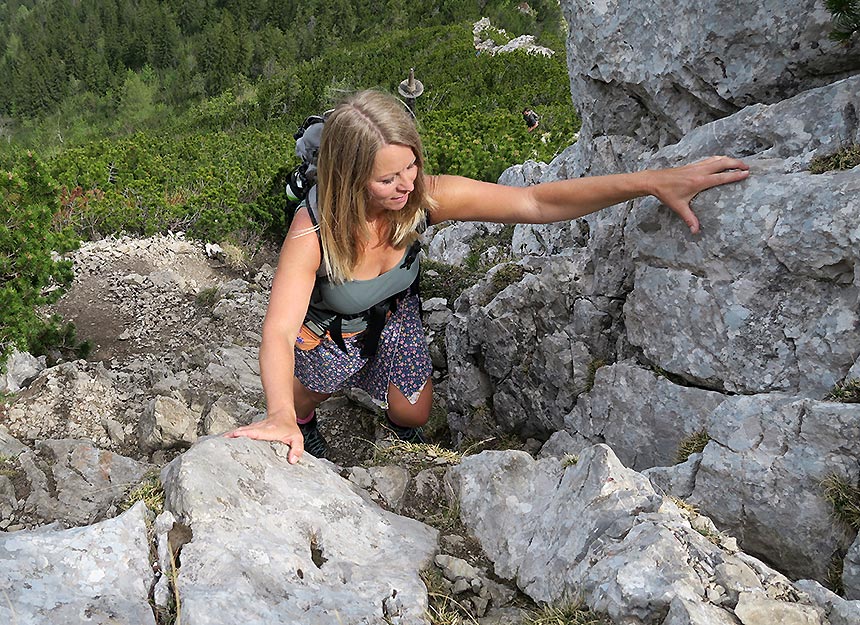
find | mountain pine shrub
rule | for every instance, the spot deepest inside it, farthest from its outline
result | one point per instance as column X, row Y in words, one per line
column 32, row 232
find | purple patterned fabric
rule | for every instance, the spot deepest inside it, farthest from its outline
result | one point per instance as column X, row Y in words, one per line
column 402, row 359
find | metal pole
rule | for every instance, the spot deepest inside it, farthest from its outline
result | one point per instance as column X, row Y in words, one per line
column 410, row 89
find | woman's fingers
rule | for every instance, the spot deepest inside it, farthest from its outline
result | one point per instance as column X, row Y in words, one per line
column 688, row 216
column 267, row 430
column 682, row 184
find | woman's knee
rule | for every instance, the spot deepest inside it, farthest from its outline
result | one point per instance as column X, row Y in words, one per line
column 403, row 412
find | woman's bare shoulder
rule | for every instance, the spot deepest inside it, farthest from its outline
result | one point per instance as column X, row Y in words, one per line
column 301, row 245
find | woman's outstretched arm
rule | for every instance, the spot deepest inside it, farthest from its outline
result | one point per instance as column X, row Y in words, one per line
column 470, row 200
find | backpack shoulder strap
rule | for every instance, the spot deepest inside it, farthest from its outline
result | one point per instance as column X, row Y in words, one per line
column 313, row 212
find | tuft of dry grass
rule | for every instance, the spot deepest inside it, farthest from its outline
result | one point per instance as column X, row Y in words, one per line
column 693, row 444
column 846, row 157
column 149, row 491
column 443, row 608
column 847, row 392
column 570, row 613
column 845, row 499
column 394, row 452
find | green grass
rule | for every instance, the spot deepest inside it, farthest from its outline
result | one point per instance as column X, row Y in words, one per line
column 833, row 577
column 593, row 366
column 447, row 281
column 206, row 298
column 507, row 275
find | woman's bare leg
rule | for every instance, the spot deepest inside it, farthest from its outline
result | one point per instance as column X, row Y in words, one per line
column 405, row 414
column 306, row 400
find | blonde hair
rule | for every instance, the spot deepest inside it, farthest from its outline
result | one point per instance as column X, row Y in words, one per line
column 353, row 134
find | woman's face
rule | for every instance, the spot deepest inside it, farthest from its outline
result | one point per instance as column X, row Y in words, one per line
column 393, row 177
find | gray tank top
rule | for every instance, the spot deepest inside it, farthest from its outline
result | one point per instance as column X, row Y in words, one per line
column 356, row 296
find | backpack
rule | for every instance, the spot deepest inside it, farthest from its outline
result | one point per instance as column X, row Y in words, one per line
column 303, row 177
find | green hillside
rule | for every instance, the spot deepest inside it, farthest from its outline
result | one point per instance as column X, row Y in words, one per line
column 145, row 117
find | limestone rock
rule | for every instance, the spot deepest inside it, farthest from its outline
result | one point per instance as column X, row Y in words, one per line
column 838, row 610
column 524, row 175
column 21, row 369
column 597, row 530
column 456, row 243
column 676, row 481
column 626, row 401
column 167, row 422
column 765, row 299
column 658, row 76
column 70, row 400
column 755, row 608
column 97, row 574
column 685, row 612
column 300, row 544
column 528, row 347
column 386, row 485
column 851, row 571
column 760, row 479
column 73, row 482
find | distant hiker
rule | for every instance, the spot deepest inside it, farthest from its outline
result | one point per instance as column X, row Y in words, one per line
column 344, row 309
column 532, row 120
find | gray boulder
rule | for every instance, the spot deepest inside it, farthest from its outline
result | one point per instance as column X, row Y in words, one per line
column 524, row 175
column 71, row 400
column 839, row 611
column 766, row 298
column 298, row 543
column 657, row 76
column 598, row 530
column 761, row 476
column 851, row 571
column 21, row 369
column 468, row 242
column 525, row 350
column 94, row 575
column 73, row 482
column 168, row 422
column 643, row 416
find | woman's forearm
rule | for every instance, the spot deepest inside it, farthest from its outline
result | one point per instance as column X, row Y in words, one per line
column 569, row 199
column 277, row 369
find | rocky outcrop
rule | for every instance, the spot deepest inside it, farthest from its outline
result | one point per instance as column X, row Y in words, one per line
column 761, row 477
column 21, row 368
column 763, row 302
column 274, row 542
column 767, row 297
column 519, row 354
column 598, row 530
column 656, row 75
column 98, row 574
column 764, row 461
column 627, row 401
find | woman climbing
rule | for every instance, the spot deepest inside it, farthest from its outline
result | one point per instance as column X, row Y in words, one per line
column 343, row 312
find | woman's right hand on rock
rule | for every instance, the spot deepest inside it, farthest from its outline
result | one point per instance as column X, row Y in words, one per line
column 272, row 429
